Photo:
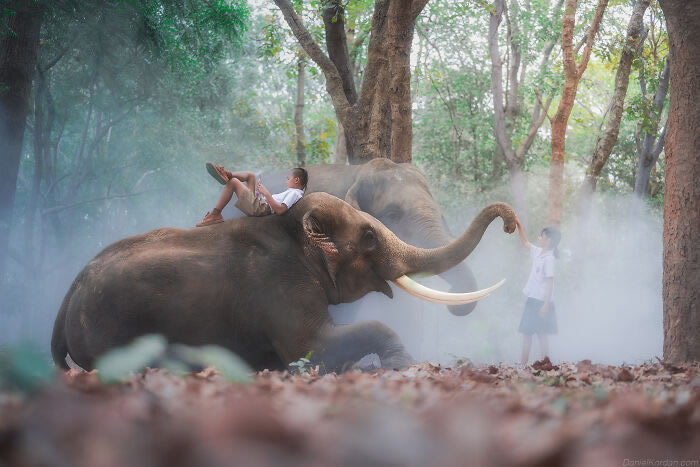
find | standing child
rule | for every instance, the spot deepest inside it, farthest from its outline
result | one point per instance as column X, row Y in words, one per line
column 539, row 315
column 243, row 184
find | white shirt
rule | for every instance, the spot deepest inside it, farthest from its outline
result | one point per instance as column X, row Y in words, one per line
column 289, row 196
column 542, row 269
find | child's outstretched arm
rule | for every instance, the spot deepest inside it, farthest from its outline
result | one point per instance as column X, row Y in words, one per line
column 521, row 232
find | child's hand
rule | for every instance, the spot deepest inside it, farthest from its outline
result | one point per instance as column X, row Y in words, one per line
column 544, row 311
column 264, row 191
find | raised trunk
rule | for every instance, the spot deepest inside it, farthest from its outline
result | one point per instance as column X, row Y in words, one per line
column 18, row 52
column 299, row 112
column 411, row 260
column 681, row 238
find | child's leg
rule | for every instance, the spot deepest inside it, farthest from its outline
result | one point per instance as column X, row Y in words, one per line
column 234, row 185
column 527, row 343
column 544, row 344
column 246, row 177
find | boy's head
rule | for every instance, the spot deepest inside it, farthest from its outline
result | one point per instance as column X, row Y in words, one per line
column 549, row 239
column 297, row 178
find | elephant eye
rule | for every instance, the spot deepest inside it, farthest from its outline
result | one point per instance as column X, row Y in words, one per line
column 368, row 241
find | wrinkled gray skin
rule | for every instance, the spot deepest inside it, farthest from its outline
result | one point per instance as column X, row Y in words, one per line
column 260, row 287
column 398, row 196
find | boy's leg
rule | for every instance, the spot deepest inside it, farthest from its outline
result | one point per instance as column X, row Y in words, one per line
column 246, row 177
column 544, row 344
column 234, row 185
column 527, row 343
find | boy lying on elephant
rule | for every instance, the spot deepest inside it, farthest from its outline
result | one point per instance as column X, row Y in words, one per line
column 244, row 185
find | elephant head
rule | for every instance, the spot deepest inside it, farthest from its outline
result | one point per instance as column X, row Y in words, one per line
column 361, row 254
column 398, row 195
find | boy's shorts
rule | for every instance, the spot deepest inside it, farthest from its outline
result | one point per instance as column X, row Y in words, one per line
column 252, row 206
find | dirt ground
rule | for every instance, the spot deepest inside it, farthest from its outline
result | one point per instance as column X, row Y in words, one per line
column 578, row 414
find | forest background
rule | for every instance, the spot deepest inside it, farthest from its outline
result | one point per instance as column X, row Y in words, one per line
column 131, row 98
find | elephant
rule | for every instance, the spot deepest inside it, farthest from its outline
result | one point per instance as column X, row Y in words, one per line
column 258, row 286
column 397, row 195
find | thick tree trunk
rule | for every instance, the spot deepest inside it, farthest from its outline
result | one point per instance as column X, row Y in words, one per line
column 299, row 112
column 572, row 76
column 681, row 276
column 18, row 52
column 371, row 127
column 401, row 27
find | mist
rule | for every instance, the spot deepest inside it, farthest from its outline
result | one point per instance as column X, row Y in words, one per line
column 607, row 288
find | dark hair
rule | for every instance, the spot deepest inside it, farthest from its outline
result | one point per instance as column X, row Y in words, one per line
column 554, row 237
column 303, row 176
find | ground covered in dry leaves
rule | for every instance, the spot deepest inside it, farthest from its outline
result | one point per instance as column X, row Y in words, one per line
column 572, row 414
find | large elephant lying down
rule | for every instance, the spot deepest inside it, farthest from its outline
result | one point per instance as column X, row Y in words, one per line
column 257, row 286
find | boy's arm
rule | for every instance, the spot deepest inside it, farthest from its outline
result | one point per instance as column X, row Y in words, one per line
column 521, row 232
column 277, row 208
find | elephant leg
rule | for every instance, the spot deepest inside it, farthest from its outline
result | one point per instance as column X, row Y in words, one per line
column 339, row 347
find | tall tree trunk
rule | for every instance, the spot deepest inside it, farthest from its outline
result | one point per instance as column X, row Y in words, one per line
column 651, row 148
column 401, row 27
column 299, row 111
column 18, row 52
column 681, row 276
column 572, row 76
column 367, row 119
column 607, row 140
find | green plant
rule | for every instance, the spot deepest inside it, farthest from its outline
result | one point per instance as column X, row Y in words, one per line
column 303, row 365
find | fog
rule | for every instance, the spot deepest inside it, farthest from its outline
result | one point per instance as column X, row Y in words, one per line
column 607, row 289
column 607, row 286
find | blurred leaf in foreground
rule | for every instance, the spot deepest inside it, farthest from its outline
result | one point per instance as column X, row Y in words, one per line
column 24, row 368
column 230, row 365
column 120, row 363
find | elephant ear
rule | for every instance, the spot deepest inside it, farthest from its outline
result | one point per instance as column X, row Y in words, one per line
column 317, row 238
column 358, row 194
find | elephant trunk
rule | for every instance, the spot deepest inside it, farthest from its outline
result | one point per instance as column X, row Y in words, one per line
column 411, row 259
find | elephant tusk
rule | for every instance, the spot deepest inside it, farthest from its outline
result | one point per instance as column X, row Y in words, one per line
column 443, row 298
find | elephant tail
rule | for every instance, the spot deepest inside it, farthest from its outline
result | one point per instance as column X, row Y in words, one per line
column 59, row 345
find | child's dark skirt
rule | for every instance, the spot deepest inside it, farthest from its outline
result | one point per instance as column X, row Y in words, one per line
column 533, row 323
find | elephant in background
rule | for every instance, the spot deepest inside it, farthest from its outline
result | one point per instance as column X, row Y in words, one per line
column 259, row 286
column 398, row 196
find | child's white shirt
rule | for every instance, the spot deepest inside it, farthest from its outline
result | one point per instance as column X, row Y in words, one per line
column 542, row 269
column 288, row 197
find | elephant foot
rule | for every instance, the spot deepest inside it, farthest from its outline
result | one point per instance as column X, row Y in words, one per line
column 343, row 348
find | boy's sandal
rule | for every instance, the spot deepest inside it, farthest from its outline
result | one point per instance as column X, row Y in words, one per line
column 209, row 219
column 217, row 172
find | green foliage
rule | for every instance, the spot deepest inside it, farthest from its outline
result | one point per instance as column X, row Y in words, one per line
column 302, row 365
column 152, row 350
column 121, row 363
column 24, row 368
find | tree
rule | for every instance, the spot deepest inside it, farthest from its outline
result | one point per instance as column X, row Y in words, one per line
column 606, row 141
column 572, row 76
column 378, row 121
column 681, row 237
column 18, row 53
column 649, row 146
column 506, row 112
